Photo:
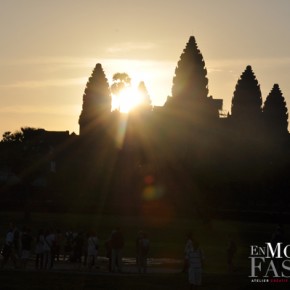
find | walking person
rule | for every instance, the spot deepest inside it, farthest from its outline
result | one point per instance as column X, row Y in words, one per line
column 195, row 259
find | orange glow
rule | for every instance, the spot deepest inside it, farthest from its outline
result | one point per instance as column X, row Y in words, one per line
column 149, row 179
column 127, row 100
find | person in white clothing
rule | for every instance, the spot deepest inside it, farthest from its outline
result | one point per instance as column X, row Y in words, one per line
column 188, row 246
column 49, row 243
column 9, row 249
column 195, row 259
column 93, row 246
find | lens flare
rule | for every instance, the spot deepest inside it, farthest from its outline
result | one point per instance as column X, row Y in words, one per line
column 121, row 132
column 126, row 100
column 152, row 192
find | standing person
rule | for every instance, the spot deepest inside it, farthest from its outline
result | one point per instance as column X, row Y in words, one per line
column 68, row 245
column 49, row 252
column 195, row 258
column 16, row 243
column 26, row 245
column 58, row 244
column 51, row 241
column 93, row 246
column 9, row 249
column 39, row 250
column 231, row 253
column 108, row 247
column 85, row 248
column 46, row 250
column 138, row 249
column 117, row 244
column 142, row 247
column 188, row 245
column 278, row 237
column 78, row 248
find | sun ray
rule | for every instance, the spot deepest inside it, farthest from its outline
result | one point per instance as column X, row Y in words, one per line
column 128, row 99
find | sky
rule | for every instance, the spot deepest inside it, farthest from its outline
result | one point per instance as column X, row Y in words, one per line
column 49, row 49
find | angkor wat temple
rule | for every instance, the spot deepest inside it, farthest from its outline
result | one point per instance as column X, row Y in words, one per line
column 186, row 151
column 182, row 158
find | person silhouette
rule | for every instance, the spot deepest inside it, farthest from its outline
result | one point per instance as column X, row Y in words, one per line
column 195, row 258
column 231, row 253
column 142, row 249
column 117, row 244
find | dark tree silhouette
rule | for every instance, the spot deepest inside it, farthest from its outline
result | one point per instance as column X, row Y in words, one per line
column 25, row 135
column 96, row 102
column 9, row 137
column 190, row 81
column 26, row 160
column 14, row 146
column 275, row 112
column 247, row 99
column 120, row 81
column 145, row 98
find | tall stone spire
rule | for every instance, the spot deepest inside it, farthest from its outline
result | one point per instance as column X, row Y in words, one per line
column 96, row 102
column 190, row 80
column 275, row 112
column 247, row 98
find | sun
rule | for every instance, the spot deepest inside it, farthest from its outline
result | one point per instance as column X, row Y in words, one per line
column 126, row 100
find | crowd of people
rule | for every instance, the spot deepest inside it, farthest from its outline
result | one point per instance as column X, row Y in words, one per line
column 82, row 248
column 47, row 246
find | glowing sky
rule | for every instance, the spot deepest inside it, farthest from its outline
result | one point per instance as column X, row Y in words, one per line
column 49, row 49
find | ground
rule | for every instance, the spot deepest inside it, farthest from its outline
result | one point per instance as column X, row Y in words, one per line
column 167, row 238
column 104, row 281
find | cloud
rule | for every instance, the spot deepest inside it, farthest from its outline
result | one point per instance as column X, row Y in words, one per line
column 45, row 72
column 33, row 84
column 112, row 65
column 61, row 110
column 78, row 62
column 214, row 70
column 231, row 63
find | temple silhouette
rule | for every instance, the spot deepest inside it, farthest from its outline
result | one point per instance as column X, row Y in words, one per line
column 184, row 157
column 189, row 147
